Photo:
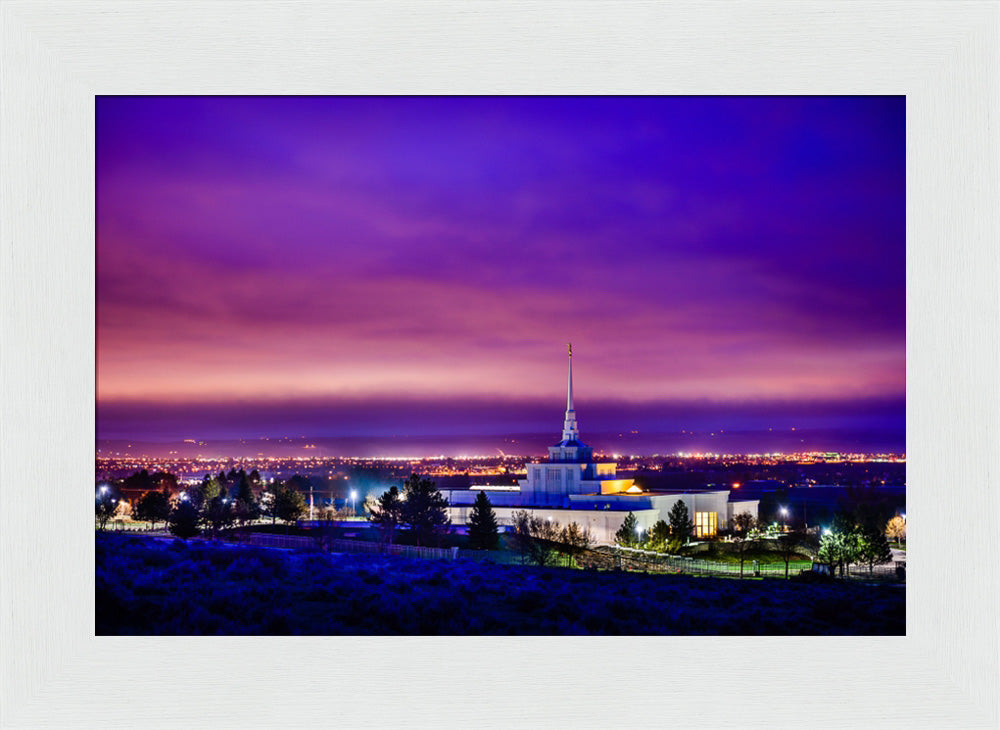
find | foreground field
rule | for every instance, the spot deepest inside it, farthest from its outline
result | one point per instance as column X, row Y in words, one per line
column 146, row 586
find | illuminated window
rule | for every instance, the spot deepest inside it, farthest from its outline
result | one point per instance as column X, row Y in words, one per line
column 704, row 524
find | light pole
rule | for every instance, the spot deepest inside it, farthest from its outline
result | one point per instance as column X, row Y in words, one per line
column 784, row 518
column 354, row 496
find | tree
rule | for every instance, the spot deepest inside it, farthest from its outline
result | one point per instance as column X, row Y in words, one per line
column 575, row 539
column 681, row 527
column 425, row 510
column 743, row 546
column 896, row 529
column 849, row 532
column 873, row 548
column 268, row 499
column 521, row 522
column 210, row 489
column 830, row 550
column 659, row 535
column 324, row 530
column 105, row 505
column 289, row 505
column 183, row 520
column 535, row 537
column 840, row 546
column 483, row 532
column 787, row 547
column 743, row 523
column 627, row 535
column 218, row 514
column 245, row 507
column 154, row 507
column 387, row 513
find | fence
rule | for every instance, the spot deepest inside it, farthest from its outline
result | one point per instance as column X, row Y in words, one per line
column 640, row 560
column 405, row 551
column 290, row 542
column 299, row 542
column 511, row 557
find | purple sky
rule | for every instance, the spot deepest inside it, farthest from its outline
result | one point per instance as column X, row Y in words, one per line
column 417, row 265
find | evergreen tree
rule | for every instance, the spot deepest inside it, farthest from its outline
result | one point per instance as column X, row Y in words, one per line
column 627, row 535
column 183, row 520
column 681, row 527
column 269, row 498
column 483, row 532
column 387, row 513
column 289, row 505
column 874, row 548
column 211, row 489
column 425, row 510
column 218, row 514
column 659, row 535
column 245, row 504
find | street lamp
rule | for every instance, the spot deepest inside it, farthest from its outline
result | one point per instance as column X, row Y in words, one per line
column 354, row 496
column 784, row 516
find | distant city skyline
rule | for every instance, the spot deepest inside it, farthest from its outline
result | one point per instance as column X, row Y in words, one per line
column 415, row 266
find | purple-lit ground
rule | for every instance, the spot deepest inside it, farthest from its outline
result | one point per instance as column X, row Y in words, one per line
column 160, row 587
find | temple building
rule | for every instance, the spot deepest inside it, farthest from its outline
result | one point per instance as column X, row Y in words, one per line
column 571, row 469
column 574, row 487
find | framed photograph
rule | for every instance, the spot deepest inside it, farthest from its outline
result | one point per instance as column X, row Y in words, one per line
column 935, row 65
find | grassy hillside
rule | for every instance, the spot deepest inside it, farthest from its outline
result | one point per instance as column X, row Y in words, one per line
column 147, row 586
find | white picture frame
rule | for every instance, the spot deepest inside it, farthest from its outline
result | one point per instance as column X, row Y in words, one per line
column 56, row 56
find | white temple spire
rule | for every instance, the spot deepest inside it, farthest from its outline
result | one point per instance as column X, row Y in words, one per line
column 570, row 432
column 569, row 390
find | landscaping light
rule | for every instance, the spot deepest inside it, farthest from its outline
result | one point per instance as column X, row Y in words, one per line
column 826, row 531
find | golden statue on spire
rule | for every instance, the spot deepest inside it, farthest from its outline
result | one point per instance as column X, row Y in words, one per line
column 570, row 346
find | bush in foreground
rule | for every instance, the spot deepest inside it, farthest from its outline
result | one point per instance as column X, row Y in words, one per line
column 145, row 586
